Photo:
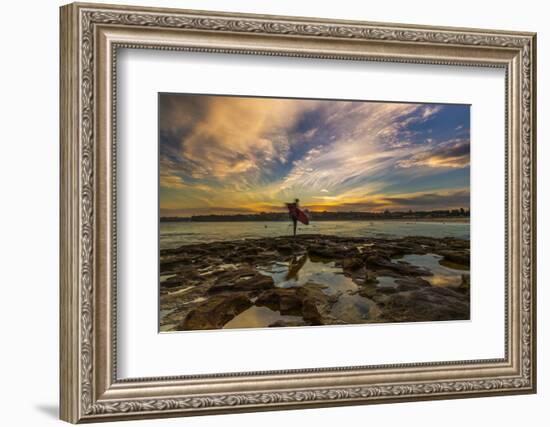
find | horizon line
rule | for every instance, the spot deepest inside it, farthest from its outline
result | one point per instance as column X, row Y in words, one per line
column 407, row 211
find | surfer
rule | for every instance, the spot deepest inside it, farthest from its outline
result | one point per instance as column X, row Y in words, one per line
column 296, row 214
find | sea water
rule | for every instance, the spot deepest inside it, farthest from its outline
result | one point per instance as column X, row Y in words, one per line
column 174, row 234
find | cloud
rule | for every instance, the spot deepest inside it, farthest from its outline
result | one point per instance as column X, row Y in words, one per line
column 168, row 177
column 171, row 181
column 310, row 133
column 451, row 154
column 234, row 136
column 220, row 152
column 210, row 210
column 429, row 111
column 432, row 200
column 435, row 200
column 369, row 139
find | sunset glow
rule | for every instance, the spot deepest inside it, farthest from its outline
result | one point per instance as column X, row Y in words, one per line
column 225, row 154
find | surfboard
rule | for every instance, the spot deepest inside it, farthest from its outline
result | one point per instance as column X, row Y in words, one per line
column 302, row 217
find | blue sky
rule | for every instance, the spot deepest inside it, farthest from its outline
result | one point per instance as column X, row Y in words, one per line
column 224, row 154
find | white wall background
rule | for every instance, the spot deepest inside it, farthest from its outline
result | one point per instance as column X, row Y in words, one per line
column 29, row 170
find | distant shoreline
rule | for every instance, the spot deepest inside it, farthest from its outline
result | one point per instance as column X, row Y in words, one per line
column 461, row 220
column 314, row 216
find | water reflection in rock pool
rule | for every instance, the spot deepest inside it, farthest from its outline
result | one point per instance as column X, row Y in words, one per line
column 441, row 274
column 386, row 282
column 301, row 271
column 259, row 317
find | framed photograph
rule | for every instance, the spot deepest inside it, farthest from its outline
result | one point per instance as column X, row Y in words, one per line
column 265, row 212
column 231, row 252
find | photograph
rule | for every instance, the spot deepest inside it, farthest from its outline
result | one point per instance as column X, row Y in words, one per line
column 290, row 212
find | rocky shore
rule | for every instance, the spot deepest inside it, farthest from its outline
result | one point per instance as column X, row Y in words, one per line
column 314, row 280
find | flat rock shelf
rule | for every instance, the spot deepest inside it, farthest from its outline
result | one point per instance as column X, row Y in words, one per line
column 313, row 280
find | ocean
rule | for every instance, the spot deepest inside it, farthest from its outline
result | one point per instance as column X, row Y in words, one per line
column 175, row 234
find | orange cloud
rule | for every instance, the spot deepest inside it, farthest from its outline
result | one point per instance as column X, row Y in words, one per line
column 424, row 200
column 453, row 154
column 253, row 154
column 238, row 135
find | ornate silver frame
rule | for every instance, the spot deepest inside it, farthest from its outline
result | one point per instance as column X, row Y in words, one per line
column 90, row 36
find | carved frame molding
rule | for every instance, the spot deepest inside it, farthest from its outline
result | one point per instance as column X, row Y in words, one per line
column 90, row 37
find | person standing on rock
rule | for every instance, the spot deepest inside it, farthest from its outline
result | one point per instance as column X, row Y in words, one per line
column 296, row 214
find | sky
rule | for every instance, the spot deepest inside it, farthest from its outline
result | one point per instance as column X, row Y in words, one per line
column 230, row 155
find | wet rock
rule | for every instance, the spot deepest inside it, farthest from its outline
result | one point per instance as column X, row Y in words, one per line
column 215, row 312
column 427, row 304
column 351, row 309
column 316, row 285
column 464, row 286
column 248, row 280
column 401, row 268
column 395, row 249
column 174, row 294
column 453, row 243
column 176, row 265
column 368, row 291
column 282, row 323
column 200, row 274
column 387, row 290
column 327, row 252
column 307, row 301
column 411, row 283
column 285, row 300
column 236, row 274
column 370, row 278
column 456, row 257
column 284, row 248
column 173, row 282
column 377, row 260
column 315, row 310
column 263, row 257
column 249, row 259
column 352, row 264
column 185, row 278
